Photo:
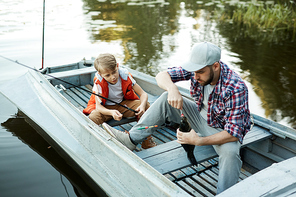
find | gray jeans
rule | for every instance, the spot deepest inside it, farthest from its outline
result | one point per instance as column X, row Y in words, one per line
column 229, row 158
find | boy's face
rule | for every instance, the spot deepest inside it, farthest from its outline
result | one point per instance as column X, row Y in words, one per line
column 110, row 76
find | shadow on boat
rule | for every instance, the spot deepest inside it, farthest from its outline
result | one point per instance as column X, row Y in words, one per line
column 82, row 184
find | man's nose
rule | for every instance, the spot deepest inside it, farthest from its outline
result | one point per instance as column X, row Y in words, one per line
column 196, row 76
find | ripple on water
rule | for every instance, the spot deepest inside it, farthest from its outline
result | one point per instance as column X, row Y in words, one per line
column 23, row 171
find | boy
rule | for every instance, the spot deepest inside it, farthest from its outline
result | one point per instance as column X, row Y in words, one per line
column 117, row 85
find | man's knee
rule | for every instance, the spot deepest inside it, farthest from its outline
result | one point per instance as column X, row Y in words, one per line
column 162, row 100
column 229, row 151
column 230, row 154
column 164, row 95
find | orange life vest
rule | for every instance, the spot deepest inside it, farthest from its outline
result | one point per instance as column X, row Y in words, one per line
column 127, row 89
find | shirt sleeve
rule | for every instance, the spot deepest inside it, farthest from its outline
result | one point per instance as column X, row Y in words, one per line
column 237, row 114
column 132, row 79
column 179, row 74
column 97, row 89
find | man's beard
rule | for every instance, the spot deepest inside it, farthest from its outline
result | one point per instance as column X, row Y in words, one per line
column 207, row 82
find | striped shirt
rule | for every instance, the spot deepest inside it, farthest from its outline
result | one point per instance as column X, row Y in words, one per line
column 228, row 106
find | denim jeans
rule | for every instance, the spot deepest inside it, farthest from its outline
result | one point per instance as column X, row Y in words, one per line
column 160, row 112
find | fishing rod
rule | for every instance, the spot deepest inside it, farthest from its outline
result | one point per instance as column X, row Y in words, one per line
column 43, row 35
column 15, row 61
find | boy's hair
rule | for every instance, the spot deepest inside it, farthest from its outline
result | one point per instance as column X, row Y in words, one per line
column 105, row 61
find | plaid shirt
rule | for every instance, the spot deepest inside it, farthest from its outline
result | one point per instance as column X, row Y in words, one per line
column 228, row 106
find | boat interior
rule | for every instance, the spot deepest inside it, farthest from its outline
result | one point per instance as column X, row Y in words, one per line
column 261, row 147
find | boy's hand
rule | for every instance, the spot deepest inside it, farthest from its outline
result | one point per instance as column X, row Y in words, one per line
column 116, row 115
column 140, row 111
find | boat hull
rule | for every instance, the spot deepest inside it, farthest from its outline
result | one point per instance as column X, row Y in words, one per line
column 112, row 167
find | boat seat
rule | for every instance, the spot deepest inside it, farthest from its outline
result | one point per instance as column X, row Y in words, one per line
column 70, row 73
column 171, row 156
column 122, row 121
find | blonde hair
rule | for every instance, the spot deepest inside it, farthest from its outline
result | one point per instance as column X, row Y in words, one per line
column 105, row 61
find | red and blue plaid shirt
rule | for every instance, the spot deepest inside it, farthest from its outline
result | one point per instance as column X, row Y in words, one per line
column 228, row 106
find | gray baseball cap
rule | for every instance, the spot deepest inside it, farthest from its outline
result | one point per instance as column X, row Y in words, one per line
column 202, row 54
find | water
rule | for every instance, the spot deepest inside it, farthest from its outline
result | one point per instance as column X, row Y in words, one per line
column 148, row 37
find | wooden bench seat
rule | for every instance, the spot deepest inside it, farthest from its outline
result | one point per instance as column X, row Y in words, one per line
column 70, row 73
column 171, row 156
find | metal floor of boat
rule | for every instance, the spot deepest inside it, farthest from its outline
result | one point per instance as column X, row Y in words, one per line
column 198, row 180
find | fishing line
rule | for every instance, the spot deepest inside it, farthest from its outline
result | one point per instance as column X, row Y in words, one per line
column 43, row 34
column 15, row 61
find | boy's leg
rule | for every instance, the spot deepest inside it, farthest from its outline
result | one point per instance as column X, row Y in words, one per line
column 133, row 104
column 97, row 117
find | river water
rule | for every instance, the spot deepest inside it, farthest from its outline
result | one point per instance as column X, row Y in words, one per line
column 148, row 37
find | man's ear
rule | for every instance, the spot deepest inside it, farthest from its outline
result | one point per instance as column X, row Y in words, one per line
column 216, row 65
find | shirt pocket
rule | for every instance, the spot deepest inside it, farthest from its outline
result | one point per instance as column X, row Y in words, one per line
column 218, row 113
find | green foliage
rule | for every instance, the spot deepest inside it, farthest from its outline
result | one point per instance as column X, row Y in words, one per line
column 266, row 17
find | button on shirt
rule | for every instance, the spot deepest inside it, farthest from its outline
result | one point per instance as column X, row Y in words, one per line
column 228, row 106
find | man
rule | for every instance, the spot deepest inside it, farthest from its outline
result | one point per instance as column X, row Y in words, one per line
column 219, row 114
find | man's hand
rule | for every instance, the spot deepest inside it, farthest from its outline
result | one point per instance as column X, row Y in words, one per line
column 193, row 138
column 116, row 115
column 175, row 99
column 165, row 82
column 189, row 138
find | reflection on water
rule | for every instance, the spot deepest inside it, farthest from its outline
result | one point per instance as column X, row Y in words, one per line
column 149, row 34
column 140, row 27
column 24, row 132
column 271, row 21
column 272, row 71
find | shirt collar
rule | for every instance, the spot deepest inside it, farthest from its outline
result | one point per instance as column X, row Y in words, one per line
column 222, row 76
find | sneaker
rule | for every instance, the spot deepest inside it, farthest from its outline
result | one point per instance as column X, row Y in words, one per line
column 122, row 137
column 148, row 142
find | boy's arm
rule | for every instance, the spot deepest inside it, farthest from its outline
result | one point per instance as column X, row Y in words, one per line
column 165, row 82
column 114, row 113
column 143, row 98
